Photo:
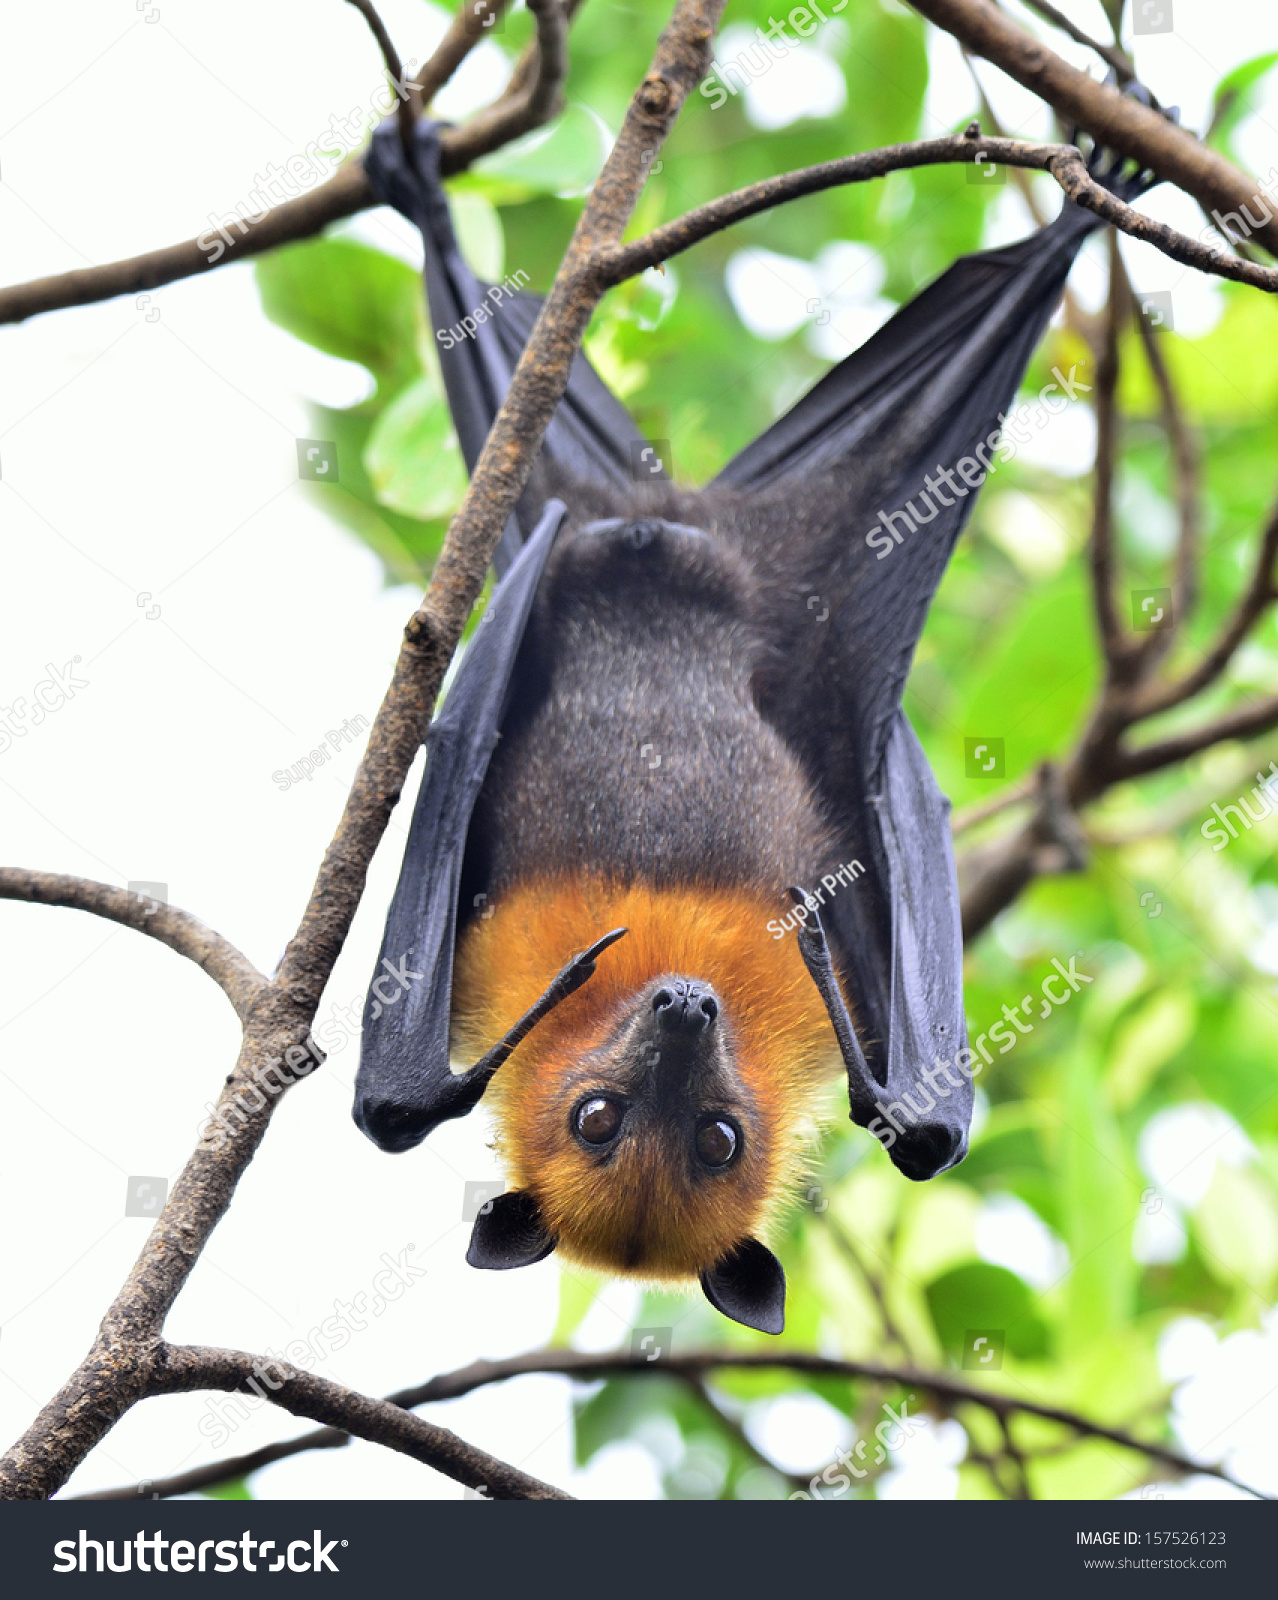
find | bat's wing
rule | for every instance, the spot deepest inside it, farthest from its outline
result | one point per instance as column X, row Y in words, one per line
column 480, row 332
column 405, row 1086
column 923, row 395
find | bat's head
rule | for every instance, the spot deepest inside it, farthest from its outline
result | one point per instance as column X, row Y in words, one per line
column 653, row 1125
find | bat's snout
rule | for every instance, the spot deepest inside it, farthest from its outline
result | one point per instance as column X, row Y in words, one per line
column 683, row 1006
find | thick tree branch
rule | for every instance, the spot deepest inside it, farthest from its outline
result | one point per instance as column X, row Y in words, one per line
column 584, row 1367
column 1115, row 119
column 234, row 973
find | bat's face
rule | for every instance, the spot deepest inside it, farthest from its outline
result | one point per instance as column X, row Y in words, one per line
column 655, row 1118
column 648, row 1152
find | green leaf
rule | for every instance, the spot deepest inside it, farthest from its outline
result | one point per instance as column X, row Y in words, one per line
column 1233, row 104
column 1097, row 1180
column 348, row 300
column 406, row 547
column 1146, row 1042
column 981, row 1296
column 412, row 455
column 1237, row 1226
column 578, row 1291
column 564, row 160
column 232, row 1489
column 479, row 232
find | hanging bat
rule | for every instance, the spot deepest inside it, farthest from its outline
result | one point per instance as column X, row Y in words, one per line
column 678, row 858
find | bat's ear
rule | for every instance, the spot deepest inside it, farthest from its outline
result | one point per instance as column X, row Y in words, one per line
column 748, row 1285
column 509, row 1232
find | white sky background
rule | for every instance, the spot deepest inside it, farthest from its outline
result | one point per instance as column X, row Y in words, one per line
column 156, row 457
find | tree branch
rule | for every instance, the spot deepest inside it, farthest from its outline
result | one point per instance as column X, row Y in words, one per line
column 1113, row 636
column 1114, row 119
column 1188, row 485
column 528, row 101
column 347, row 192
column 464, row 32
column 1259, row 595
column 1049, row 841
column 407, row 100
column 531, row 99
column 233, row 972
column 585, row 1366
column 1063, row 162
column 179, row 1369
column 1243, row 723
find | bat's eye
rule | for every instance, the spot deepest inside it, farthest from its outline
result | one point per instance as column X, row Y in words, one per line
column 717, row 1143
column 598, row 1120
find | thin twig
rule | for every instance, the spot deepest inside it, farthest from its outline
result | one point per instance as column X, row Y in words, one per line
column 464, row 33
column 732, row 1426
column 1243, row 723
column 407, row 100
column 1187, row 476
column 1016, row 794
column 232, row 971
column 851, row 1253
column 1064, row 162
column 1111, row 54
column 1113, row 637
column 1049, row 841
column 518, row 111
column 1015, row 1457
column 1260, row 594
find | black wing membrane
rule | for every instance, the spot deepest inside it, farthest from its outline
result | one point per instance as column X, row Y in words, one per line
column 920, row 396
column 590, row 435
column 405, row 1086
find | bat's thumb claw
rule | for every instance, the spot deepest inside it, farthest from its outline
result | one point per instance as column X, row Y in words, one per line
column 600, row 945
column 583, row 966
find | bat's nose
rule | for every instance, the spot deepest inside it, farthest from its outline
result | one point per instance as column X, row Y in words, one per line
column 683, row 1005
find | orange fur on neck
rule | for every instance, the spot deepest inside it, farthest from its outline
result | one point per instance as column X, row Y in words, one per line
column 784, row 1047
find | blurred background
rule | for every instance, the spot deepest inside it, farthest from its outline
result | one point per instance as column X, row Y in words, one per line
column 1114, row 1230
